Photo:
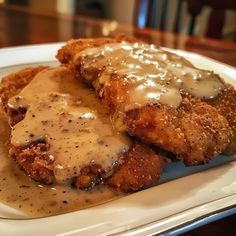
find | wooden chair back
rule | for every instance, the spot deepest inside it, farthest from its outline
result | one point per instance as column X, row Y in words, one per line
column 154, row 14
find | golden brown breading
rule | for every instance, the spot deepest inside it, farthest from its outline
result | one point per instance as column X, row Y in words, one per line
column 225, row 104
column 196, row 131
column 142, row 168
column 35, row 161
column 114, row 95
column 89, row 177
column 65, row 54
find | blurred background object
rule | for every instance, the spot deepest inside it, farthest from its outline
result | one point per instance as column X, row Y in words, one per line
column 217, row 17
column 210, row 18
column 194, row 17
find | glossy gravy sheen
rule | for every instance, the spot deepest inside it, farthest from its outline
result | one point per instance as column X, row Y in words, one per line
column 152, row 75
column 19, row 191
column 71, row 119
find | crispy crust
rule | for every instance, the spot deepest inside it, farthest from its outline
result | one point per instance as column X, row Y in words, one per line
column 142, row 168
column 196, row 131
column 225, row 104
column 35, row 161
column 66, row 54
column 219, row 113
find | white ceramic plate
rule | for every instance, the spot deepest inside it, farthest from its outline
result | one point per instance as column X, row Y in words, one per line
column 186, row 197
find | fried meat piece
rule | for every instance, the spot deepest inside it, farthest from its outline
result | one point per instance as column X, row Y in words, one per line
column 196, row 131
column 142, row 168
column 35, row 160
column 172, row 133
column 11, row 85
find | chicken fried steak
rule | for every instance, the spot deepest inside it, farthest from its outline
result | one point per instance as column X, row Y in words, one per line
column 65, row 136
column 157, row 96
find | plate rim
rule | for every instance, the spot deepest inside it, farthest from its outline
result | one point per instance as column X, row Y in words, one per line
column 59, row 44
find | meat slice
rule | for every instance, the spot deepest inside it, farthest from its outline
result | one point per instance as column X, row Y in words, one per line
column 36, row 160
column 195, row 132
column 196, row 129
column 142, row 168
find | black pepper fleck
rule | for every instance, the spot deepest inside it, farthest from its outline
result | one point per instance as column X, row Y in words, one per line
column 44, row 122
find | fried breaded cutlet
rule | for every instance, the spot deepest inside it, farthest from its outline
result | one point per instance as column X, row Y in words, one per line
column 142, row 168
column 139, row 167
column 137, row 84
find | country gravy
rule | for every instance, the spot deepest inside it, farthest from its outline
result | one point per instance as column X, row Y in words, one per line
column 71, row 119
column 35, row 200
column 151, row 74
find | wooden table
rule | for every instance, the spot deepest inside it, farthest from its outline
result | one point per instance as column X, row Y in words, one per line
column 21, row 26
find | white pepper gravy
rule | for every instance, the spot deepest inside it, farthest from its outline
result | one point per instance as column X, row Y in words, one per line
column 152, row 75
column 35, row 200
column 71, row 119
column 20, row 191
